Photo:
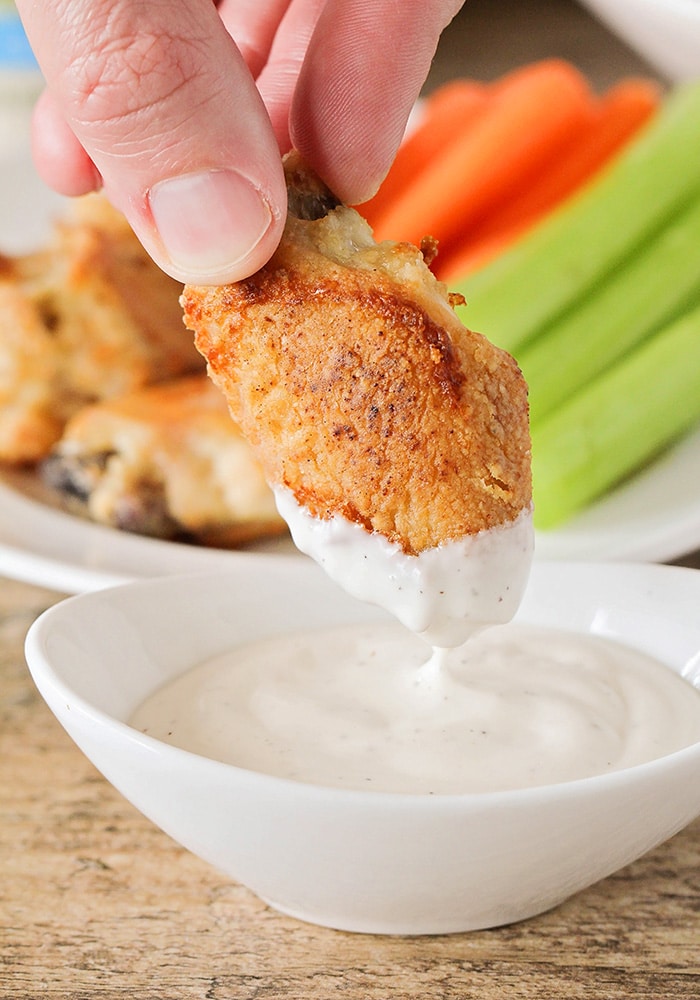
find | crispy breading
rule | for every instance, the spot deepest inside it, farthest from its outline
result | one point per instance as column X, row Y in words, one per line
column 87, row 318
column 359, row 388
column 166, row 461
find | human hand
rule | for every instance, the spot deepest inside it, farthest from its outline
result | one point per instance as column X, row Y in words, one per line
column 180, row 109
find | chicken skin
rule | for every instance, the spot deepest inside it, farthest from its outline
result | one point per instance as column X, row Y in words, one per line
column 86, row 318
column 165, row 460
column 360, row 390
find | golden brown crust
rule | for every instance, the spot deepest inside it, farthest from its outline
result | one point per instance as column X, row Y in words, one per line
column 361, row 391
column 167, row 461
column 89, row 317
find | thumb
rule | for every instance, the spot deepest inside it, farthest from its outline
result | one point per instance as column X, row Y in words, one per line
column 162, row 103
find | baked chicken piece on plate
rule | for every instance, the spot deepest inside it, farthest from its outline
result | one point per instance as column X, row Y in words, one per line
column 88, row 317
column 166, row 461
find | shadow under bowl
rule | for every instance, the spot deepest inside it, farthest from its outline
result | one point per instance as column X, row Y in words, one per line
column 365, row 861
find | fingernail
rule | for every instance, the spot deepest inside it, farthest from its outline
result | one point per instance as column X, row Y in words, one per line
column 209, row 222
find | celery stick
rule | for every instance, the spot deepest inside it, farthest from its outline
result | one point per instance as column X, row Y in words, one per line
column 653, row 287
column 618, row 422
column 511, row 299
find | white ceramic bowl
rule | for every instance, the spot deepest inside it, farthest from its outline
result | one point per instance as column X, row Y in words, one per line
column 665, row 32
column 361, row 861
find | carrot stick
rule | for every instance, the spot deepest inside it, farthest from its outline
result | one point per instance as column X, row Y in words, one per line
column 464, row 260
column 623, row 110
column 448, row 112
column 533, row 112
column 568, row 254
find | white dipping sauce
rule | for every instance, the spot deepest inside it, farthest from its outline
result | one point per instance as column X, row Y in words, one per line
column 444, row 594
column 360, row 708
column 367, row 708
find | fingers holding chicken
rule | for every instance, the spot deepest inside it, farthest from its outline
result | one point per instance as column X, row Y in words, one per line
column 359, row 388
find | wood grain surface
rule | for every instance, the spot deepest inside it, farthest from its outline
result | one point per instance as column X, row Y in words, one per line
column 96, row 902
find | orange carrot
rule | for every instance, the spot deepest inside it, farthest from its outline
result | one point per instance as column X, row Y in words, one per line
column 447, row 113
column 475, row 254
column 622, row 111
column 532, row 113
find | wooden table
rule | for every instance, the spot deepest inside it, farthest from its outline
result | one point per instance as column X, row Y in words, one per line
column 95, row 902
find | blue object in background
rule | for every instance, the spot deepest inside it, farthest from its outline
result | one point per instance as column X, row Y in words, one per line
column 15, row 52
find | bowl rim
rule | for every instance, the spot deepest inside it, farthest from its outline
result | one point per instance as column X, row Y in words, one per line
column 55, row 690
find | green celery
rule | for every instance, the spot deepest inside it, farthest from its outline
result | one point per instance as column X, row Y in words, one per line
column 549, row 270
column 618, row 422
column 653, row 287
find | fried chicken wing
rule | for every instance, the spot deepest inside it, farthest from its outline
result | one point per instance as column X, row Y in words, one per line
column 87, row 318
column 360, row 390
column 166, row 461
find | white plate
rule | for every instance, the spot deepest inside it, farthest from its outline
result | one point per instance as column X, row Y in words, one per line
column 656, row 516
column 44, row 545
column 666, row 32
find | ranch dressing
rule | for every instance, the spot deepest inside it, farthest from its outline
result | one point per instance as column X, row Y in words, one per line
column 444, row 594
column 363, row 708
